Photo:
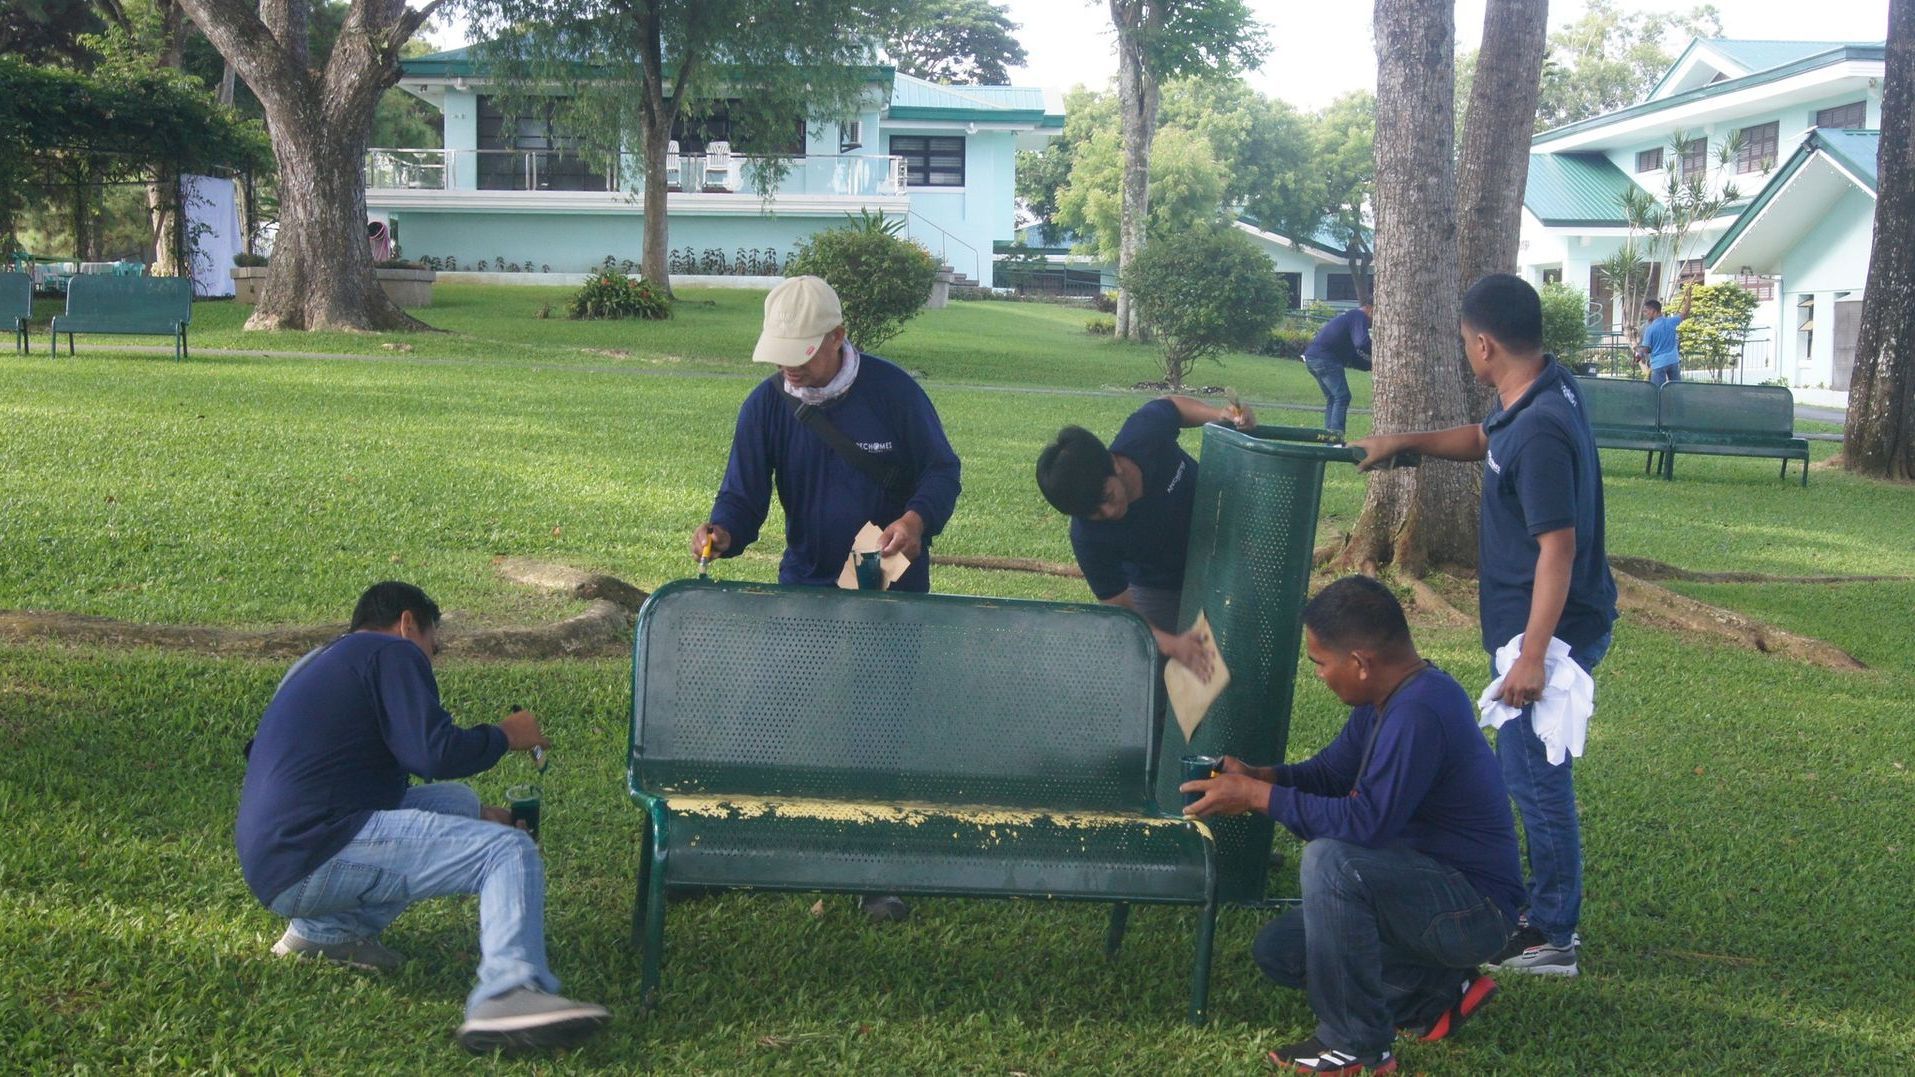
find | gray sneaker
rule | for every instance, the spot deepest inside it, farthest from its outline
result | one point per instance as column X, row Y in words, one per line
column 365, row 954
column 1529, row 952
column 527, row 1019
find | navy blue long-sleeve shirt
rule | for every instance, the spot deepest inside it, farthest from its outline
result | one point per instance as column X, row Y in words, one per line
column 339, row 742
column 826, row 500
column 1420, row 775
column 1344, row 339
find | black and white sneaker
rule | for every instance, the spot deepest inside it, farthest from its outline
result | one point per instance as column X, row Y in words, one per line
column 1313, row 1056
column 1528, row 951
column 527, row 1019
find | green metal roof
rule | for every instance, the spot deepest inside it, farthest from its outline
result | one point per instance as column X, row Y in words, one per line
column 917, row 99
column 1827, row 58
column 1763, row 55
column 1855, row 151
column 1575, row 189
column 469, row 61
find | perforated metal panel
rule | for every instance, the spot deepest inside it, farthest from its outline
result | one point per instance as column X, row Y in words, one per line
column 1697, row 407
column 808, row 692
column 1252, row 532
column 1619, row 404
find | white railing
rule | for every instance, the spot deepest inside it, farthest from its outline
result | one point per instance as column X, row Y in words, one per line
column 541, row 170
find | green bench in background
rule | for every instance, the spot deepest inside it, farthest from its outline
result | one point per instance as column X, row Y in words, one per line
column 1731, row 420
column 1624, row 414
column 97, row 303
column 807, row 739
column 16, row 305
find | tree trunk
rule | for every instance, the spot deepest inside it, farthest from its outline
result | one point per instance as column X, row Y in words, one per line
column 1137, row 97
column 1494, row 167
column 1422, row 517
column 1880, row 436
column 162, row 211
column 654, row 263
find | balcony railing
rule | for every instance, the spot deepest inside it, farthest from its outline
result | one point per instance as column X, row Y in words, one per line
column 548, row 170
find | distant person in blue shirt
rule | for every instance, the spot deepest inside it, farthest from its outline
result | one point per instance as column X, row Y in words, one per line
column 333, row 836
column 1130, row 506
column 1542, row 572
column 1410, row 873
column 1342, row 344
column 1659, row 339
column 826, row 498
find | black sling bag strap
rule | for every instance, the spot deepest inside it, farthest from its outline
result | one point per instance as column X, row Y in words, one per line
column 888, row 476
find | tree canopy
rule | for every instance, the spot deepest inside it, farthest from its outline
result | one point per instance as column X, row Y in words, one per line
column 958, row 41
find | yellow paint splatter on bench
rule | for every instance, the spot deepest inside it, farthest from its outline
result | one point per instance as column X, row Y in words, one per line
column 910, row 813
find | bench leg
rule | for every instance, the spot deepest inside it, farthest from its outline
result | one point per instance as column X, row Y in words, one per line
column 1119, row 919
column 1805, row 472
column 1200, row 976
column 651, row 917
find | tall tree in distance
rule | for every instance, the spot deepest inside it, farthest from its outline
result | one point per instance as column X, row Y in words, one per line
column 1158, row 40
column 958, row 42
column 320, row 276
column 1416, row 518
column 1879, row 437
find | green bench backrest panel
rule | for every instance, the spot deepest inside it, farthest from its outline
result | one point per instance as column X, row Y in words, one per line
column 130, row 300
column 1253, row 529
column 1763, row 410
column 16, row 296
column 816, row 692
column 1619, row 403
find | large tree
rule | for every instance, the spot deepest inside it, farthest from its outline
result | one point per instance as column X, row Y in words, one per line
column 627, row 75
column 1880, row 435
column 958, row 41
column 1158, row 40
column 320, row 119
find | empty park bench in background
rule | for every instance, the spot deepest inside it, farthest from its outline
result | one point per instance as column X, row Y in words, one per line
column 16, row 305
column 1731, row 420
column 806, row 739
column 158, row 306
column 1624, row 414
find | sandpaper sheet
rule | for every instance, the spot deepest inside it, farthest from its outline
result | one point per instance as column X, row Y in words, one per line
column 1190, row 698
column 870, row 539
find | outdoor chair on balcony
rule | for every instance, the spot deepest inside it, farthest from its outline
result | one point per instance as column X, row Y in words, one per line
column 672, row 167
column 719, row 176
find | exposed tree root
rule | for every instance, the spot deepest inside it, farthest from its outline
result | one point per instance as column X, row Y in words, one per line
column 1428, row 600
column 1660, row 606
column 1644, row 568
column 1010, row 564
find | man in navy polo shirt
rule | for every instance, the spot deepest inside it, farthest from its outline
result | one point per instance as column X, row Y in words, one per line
column 1542, row 573
column 1342, row 344
column 1130, row 511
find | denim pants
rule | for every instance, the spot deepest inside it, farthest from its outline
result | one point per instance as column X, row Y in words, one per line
column 1663, row 375
column 1384, row 938
column 1336, row 391
column 1546, row 801
column 433, row 845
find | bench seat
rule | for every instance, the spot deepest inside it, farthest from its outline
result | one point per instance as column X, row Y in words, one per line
column 126, row 306
column 1731, row 420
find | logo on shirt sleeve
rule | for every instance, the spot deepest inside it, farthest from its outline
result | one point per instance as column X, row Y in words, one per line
column 1490, row 459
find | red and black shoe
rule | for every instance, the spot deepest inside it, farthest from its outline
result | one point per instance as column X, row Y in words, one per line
column 1312, row 1056
column 1477, row 990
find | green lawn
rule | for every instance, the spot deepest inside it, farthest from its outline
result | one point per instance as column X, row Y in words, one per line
column 1747, row 819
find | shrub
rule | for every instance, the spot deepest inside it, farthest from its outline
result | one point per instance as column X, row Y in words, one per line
column 1287, row 341
column 1101, row 327
column 1204, row 291
column 1565, row 322
column 248, row 261
column 881, row 278
column 607, row 294
column 1711, row 337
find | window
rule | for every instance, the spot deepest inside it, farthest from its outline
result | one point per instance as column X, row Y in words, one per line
column 1695, row 159
column 1689, row 271
column 930, row 161
column 531, row 153
column 1757, row 151
column 1553, row 276
column 1341, row 288
column 1292, row 290
column 1849, row 117
column 1763, row 288
column 1649, row 160
column 713, row 122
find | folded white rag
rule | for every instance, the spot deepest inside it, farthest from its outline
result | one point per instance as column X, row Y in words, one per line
column 1561, row 717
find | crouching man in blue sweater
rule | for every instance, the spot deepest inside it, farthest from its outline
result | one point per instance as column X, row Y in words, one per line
column 332, row 835
column 1410, row 875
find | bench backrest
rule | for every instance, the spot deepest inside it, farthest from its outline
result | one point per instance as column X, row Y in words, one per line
column 143, row 300
column 1619, row 403
column 16, row 296
column 815, row 692
column 1758, row 410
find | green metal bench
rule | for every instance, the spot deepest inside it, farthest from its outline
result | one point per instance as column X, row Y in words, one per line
column 97, row 303
column 16, row 305
column 1731, row 420
column 807, row 739
column 1625, row 414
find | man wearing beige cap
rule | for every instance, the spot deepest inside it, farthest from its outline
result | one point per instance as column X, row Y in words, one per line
column 845, row 438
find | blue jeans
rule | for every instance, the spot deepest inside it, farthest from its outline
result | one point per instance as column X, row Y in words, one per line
column 1383, row 939
column 1546, row 801
column 1336, row 391
column 434, row 845
column 1663, row 375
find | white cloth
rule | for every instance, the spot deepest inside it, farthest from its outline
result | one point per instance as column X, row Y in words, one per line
column 839, row 384
column 212, row 223
column 1561, row 717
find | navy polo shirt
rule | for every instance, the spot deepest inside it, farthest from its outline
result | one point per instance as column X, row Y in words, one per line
column 1146, row 548
column 1542, row 474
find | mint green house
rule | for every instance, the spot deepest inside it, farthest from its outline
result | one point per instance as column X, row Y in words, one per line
column 506, row 193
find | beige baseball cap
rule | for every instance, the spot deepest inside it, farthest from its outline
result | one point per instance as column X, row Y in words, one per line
column 798, row 314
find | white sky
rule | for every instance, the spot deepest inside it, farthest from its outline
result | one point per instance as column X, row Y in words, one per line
column 1322, row 48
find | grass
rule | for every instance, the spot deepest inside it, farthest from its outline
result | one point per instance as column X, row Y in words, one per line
column 1746, row 818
